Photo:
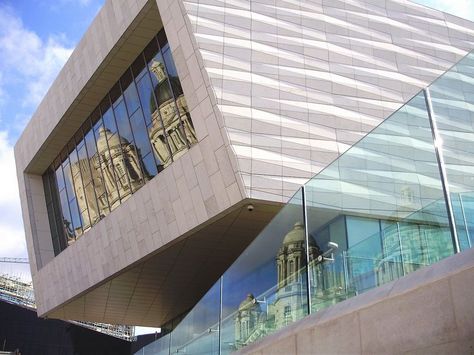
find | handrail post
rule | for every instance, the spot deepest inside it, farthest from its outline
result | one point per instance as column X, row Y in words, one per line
column 305, row 218
column 442, row 168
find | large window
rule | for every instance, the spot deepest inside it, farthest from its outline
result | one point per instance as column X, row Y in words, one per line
column 139, row 128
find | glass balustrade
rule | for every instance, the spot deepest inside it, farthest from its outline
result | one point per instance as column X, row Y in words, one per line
column 393, row 203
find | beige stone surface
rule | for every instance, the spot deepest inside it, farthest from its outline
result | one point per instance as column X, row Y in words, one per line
column 462, row 289
column 417, row 319
column 298, row 82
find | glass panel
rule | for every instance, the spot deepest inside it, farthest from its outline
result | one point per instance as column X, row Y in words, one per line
column 172, row 73
column 114, row 161
column 158, row 347
column 75, row 178
column 108, row 172
column 153, row 121
column 82, row 177
column 108, row 118
column 68, row 180
column 265, row 289
column 60, row 178
column 48, row 189
column 131, row 98
column 198, row 332
column 131, row 155
column 115, row 93
column 67, row 221
column 149, row 165
column 75, row 218
column 145, row 92
column 179, row 97
column 122, row 122
column 137, row 67
column 166, row 106
column 100, row 207
column 388, row 190
column 55, row 212
column 162, row 40
column 151, row 49
column 452, row 98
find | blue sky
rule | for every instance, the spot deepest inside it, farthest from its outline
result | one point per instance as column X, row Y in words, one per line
column 36, row 38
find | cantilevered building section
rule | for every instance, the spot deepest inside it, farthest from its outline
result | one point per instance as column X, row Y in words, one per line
column 177, row 130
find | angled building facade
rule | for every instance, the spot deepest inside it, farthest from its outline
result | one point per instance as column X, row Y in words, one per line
column 178, row 129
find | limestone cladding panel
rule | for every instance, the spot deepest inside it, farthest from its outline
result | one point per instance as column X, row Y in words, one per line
column 298, row 82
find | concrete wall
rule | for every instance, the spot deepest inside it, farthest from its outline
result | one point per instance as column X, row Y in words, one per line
column 430, row 311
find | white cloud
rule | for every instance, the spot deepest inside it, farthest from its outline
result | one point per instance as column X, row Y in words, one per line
column 27, row 60
column 28, row 65
column 12, row 240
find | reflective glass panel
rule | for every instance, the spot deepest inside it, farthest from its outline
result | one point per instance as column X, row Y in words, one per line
column 387, row 189
column 265, row 288
column 122, row 144
column 131, row 98
column 198, row 332
column 123, row 123
column 142, row 142
column 60, row 178
column 66, row 221
column 157, row 347
column 101, row 207
column 156, row 133
column 132, row 160
column 166, row 106
column 145, row 92
column 108, row 173
column 108, row 117
column 452, row 98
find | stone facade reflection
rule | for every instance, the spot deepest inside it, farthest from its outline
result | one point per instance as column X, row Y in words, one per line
column 158, row 131
column 290, row 299
column 172, row 131
column 115, row 172
column 288, row 302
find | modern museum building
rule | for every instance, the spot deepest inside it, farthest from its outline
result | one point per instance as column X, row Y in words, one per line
column 259, row 176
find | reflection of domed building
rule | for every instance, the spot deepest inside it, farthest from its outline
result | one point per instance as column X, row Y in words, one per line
column 173, row 115
column 114, row 172
column 249, row 316
column 291, row 301
column 120, row 166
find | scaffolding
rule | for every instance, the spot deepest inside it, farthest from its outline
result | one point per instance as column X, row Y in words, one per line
column 16, row 291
